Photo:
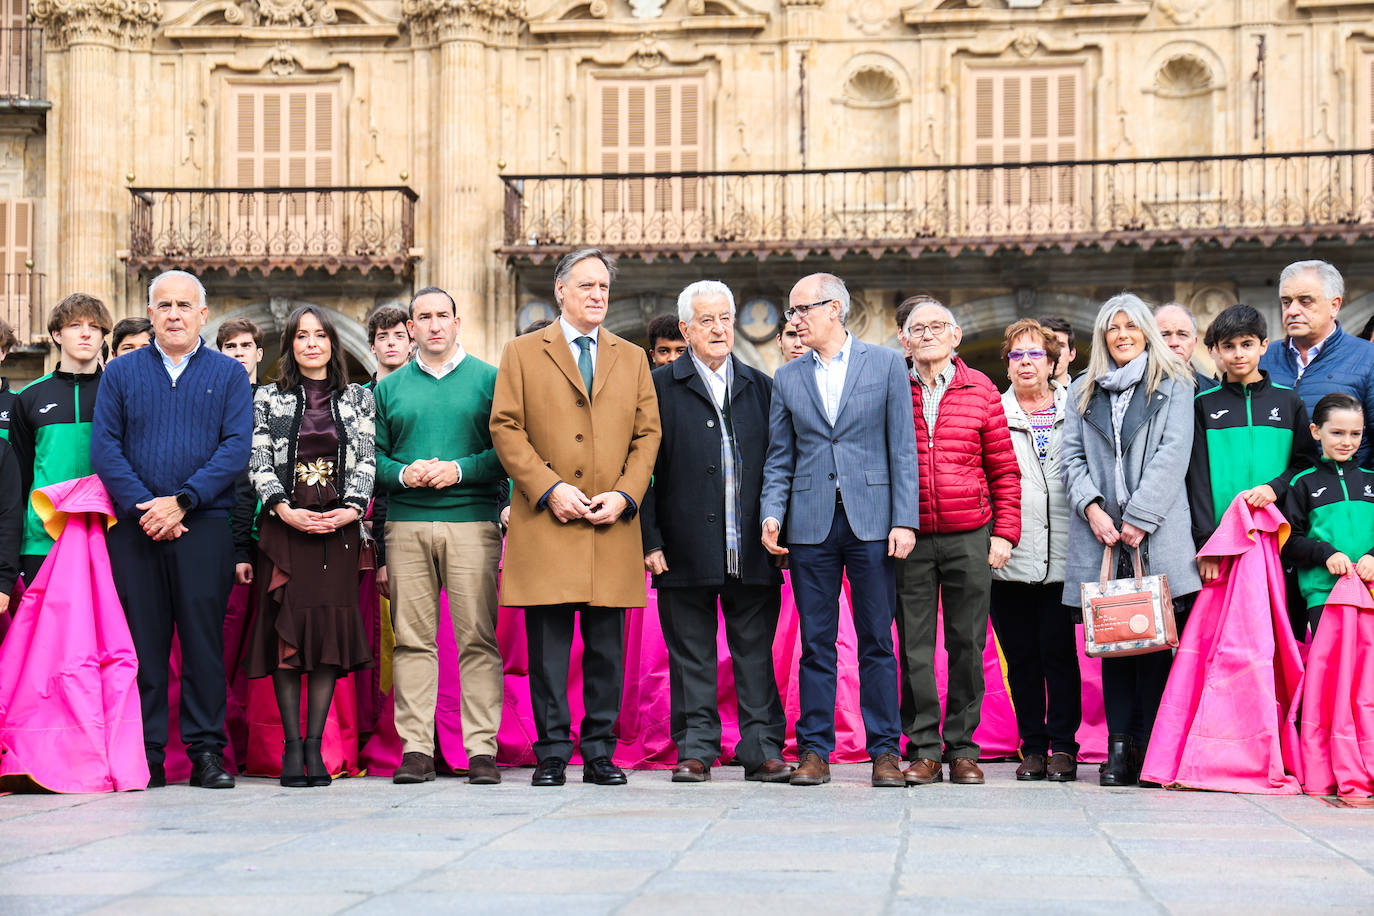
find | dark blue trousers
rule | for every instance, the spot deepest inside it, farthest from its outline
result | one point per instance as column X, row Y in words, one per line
column 817, row 570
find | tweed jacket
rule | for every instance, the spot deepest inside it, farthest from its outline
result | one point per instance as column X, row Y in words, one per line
column 276, row 427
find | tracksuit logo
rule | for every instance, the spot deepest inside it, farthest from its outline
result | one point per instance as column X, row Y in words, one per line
column 1219, row 414
column 47, row 408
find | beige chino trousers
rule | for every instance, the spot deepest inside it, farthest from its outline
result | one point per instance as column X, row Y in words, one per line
column 462, row 558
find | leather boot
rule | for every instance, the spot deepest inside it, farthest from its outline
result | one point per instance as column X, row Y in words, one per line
column 1117, row 771
column 293, row 765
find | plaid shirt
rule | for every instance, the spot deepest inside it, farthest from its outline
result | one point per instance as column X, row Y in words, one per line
column 931, row 395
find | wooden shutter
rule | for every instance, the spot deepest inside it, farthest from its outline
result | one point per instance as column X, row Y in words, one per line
column 1026, row 115
column 650, row 125
column 15, row 48
column 286, row 136
column 16, row 255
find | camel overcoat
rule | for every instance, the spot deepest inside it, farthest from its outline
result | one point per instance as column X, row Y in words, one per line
column 545, row 431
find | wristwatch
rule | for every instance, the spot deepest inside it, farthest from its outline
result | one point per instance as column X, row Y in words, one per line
column 184, row 501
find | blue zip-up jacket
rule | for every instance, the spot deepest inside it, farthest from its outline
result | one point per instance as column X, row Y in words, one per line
column 153, row 438
column 1345, row 364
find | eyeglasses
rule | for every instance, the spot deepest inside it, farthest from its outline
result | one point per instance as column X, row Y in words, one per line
column 796, row 310
column 1017, row 355
column 936, row 328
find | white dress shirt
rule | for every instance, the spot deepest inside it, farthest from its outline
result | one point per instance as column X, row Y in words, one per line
column 448, row 366
column 175, row 369
column 716, row 379
column 570, row 334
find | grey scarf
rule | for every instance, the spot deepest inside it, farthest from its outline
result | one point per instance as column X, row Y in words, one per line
column 1121, row 383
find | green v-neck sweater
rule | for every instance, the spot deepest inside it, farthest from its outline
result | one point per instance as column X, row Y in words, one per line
column 420, row 416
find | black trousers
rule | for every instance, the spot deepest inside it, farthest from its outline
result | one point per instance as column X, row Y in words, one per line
column 549, row 633
column 29, row 565
column 182, row 586
column 1038, row 640
column 688, row 617
column 1133, row 686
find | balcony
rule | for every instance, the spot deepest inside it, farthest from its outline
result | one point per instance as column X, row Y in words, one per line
column 22, row 307
column 917, row 209
column 21, row 68
column 265, row 229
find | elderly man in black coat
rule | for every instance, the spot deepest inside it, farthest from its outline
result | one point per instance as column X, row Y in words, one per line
column 700, row 525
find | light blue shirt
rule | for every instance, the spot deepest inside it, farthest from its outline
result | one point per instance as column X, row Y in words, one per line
column 830, row 378
column 570, row 334
column 175, row 369
column 1312, row 352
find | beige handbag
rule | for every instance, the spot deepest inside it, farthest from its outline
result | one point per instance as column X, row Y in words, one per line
column 1132, row 616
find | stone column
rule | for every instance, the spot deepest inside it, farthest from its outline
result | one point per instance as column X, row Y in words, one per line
column 465, row 202
column 89, row 41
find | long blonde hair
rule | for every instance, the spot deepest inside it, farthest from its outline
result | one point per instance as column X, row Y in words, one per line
column 1161, row 363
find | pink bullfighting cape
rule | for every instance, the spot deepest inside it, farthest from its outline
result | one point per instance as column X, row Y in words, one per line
column 1227, row 719
column 1338, row 698
column 69, row 710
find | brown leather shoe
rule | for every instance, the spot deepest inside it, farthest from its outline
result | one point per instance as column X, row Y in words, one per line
column 964, row 771
column 691, row 770
column 923, row 772
column 1062, row 767
column 774, row 769
column 811, row 771
column 887, row 772
column 482, row 770
column 415, row 767
column 1032, row 768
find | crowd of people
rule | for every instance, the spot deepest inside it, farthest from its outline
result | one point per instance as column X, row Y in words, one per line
column 554, row 481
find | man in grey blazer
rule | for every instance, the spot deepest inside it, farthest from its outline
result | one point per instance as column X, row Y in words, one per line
column 840, row 480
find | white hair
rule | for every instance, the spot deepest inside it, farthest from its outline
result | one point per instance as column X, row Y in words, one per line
column 928, row 301
column 1333, row 284
column 170, row 274
column 702, row 289
column 832, row 287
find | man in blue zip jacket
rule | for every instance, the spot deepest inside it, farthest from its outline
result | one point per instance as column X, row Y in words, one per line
column 1316, row 357
column 172, row 430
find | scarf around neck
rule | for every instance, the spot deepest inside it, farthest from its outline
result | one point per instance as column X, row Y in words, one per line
column 1120, row 384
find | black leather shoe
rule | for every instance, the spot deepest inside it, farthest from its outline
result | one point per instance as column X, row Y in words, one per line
column 1116, row 770
column 293, row 765
column 316, row 773
column 1032, row 768
column 208, row 772
column 157, row 776
column 601, row 771
column 550, row 772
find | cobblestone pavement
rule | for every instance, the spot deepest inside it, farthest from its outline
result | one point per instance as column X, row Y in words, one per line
column 366, row 846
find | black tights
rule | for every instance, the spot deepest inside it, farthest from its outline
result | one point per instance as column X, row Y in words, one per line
column 320, row 693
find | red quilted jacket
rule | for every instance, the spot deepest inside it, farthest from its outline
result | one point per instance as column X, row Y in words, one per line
column 969, row 474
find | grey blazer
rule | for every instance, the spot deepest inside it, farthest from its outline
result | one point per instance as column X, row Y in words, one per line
column 1157, row 438
column 869, row 454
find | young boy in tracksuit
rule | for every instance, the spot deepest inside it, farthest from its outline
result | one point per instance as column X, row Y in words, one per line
column 50, row 420
column 1250, row 433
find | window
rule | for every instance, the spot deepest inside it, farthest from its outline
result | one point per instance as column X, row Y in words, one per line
column 649, row 125
column 16, row 43
column 16, row 270
column 1027, row 115
column 285, row 136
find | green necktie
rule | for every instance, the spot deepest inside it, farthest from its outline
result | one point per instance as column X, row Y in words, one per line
column 584, row 362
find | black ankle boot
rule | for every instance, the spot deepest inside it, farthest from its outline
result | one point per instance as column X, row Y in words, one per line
column 1138, row 749
column 316, row 771
column 293, row 764
column 1117, row 771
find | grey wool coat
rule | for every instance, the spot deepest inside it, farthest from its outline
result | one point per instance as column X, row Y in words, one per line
column 1157, row 442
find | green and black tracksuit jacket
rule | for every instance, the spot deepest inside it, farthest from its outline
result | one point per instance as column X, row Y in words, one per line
column 50, row 430
column 6, row 406
column 1330, row 509
column 1244, row 436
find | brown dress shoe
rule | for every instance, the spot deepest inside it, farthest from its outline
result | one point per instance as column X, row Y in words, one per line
column 811, row 771
column 691, row 770
column 774, row 769
column 964, row 771
column 415, row 767
column 482, row 770
column 887, row 772
column 1062, row 767
column 923, row 772
column 1032, row 768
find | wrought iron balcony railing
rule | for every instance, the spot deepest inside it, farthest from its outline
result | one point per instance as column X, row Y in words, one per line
column 21, row 65
column 297, row 229
column 948, row 208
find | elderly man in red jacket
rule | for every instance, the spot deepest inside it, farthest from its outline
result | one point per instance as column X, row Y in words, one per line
column 970, row 520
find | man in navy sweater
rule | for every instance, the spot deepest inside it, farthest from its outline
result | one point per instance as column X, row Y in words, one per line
column 172, row 430
column 1316, row 357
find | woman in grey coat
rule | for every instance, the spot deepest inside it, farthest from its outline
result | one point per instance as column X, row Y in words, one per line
column 1127, row 442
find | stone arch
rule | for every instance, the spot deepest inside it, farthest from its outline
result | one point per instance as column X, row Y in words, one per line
column 270, row 315
column 874, row 90
column 1353, row 315
column 1183, row 80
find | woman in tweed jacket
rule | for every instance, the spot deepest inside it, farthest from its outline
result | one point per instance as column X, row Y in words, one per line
column 312, row 466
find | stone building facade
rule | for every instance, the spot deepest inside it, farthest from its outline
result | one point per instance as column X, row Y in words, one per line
column 1192, row 147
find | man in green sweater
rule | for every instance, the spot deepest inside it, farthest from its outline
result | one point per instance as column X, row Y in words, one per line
column 434, row 455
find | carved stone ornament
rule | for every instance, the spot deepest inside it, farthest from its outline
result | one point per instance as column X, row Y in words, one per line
column 1025, row 42
column 871, row 17
column 282, row 62
column 436, row 20
column 281, row 12
column 1183, row 12
column 646, row 9
column 122, row 23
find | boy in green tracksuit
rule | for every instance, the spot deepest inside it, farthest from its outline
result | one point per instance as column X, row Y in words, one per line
column 1250, row 433
column 50, row 421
